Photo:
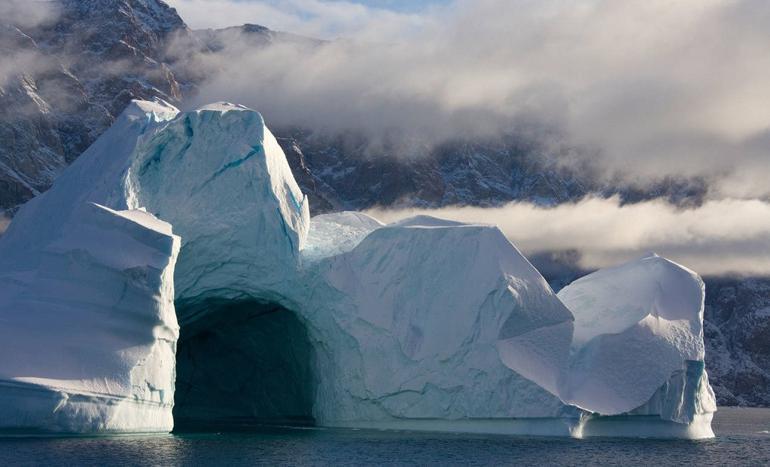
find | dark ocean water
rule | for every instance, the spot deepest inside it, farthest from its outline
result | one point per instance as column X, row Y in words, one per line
column 743, row 438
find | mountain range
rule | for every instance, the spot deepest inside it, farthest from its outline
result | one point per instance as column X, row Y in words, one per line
column 68, row 77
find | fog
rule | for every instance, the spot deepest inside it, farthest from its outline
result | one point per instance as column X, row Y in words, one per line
column 18, row 54
column 27, row 13
column 646, row 88
column 717, row 238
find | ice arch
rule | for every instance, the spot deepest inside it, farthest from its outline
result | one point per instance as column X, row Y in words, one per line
column 244, row 364
column 243, row 357
column 192, row 223
column 90, row 285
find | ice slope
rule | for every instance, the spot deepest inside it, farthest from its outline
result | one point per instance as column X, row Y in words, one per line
column 176, row 263
column 333, row 234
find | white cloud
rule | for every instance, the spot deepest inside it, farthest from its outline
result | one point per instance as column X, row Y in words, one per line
column 26, row 13
column 651, row 87
column 719, row 237
column 19, row 55
column 316, row 18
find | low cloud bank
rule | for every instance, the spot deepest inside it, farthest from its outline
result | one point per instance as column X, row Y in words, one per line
column 717, row 238
column 644, row 88
column 19, row 55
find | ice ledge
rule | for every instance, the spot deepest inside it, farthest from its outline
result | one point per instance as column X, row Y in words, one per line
column 222, row 107
column 30, row 409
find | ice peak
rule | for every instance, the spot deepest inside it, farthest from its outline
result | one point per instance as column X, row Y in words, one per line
column 223, row 107
column 423, row 220
column 142, row 109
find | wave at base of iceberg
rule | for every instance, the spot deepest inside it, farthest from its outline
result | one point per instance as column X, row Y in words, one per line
column 589, row 426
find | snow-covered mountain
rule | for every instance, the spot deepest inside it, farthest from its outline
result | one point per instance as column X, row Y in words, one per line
column 343, row 173
column 75, row 75
column 99, row 54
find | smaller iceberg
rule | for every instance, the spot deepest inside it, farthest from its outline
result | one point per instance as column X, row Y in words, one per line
column 638, row 346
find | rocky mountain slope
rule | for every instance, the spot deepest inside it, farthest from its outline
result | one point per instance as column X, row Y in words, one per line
column 73, row 74
column 737, row 333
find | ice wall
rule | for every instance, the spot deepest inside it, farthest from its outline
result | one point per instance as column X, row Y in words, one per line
column 219, row 177
column 410, row 320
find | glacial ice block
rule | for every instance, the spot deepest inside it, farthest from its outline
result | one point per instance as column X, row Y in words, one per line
column 88, row 335
column 337, row 233
column 637, row 327
column 220, row 178
column 180, row 246
column 410, row 319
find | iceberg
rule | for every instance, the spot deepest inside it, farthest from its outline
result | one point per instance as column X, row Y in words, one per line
column 173, row 278
column 636, row 326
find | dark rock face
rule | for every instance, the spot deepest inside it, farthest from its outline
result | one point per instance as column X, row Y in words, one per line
column 320, row 196
column 82, row 69
column 738, row 340
column 351, row 175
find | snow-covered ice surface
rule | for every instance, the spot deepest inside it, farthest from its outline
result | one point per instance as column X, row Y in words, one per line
column 635, row 325
column 638, row 344
column 194, row 220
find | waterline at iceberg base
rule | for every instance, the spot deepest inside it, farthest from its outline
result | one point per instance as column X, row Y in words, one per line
column 173, row 275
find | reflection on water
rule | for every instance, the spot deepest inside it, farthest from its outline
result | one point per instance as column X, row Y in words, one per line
column 743, row 437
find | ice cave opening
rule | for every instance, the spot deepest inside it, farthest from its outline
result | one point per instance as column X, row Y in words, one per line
column 240, row 365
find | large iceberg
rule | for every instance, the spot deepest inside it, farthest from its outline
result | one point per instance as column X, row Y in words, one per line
column 173, row 276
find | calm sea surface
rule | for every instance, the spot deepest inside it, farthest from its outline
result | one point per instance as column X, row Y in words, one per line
column 743, row 438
